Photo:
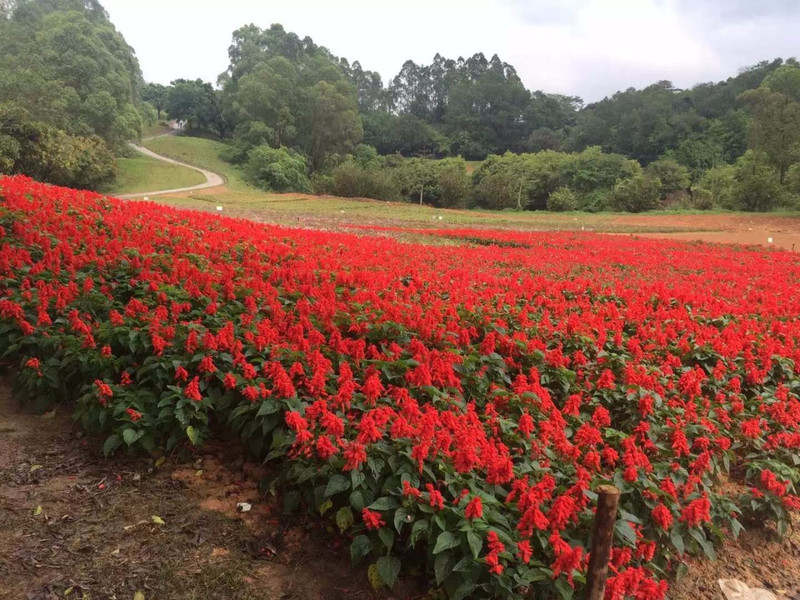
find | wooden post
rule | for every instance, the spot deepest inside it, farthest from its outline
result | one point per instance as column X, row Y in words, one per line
column 602, row 540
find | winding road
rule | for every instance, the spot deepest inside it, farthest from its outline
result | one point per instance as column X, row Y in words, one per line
column 212, row 179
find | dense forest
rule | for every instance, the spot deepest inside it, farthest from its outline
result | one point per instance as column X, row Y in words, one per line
column 297, row 117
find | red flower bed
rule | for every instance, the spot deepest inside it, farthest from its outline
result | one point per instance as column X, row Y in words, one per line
column 450, row 406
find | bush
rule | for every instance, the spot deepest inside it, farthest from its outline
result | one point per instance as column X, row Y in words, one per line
column 757, row 187
column 277, row 169
column 702, row 199
column 674, row 177
column 352, row 181
column 719, row 182
column 637, row 194
column 453, row 184
column 562, row 200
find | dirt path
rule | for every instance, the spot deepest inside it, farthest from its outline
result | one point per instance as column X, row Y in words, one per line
column 78, row 526
column 212, row 179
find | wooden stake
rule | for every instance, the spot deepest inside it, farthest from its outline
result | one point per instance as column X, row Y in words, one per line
column 602, row 540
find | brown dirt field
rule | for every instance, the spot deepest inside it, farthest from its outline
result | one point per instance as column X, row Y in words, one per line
column 753, row 229
column 77, row 525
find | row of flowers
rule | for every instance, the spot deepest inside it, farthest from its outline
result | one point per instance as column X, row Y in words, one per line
column 450, row 407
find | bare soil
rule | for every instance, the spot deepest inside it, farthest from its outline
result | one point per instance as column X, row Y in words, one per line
column 76, row 525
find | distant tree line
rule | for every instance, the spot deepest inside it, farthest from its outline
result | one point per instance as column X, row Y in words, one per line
column 295, row 116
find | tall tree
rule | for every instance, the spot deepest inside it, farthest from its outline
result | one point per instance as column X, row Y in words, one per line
column 775, row 124
column 156, row 94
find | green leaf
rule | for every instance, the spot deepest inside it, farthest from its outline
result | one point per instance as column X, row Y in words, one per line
column 677, row 541
column 344, row 518
column 389, row 569
column 131, row 436
column 445, row 541
column 357, row 501
column 736, row 528
column 360, row 547
column 336, row 484
column 475, row 543
column 443, row 566
column 383, row 504
column 387, row 537
column 625, row 531
column 192, row 434
column 418, row 528
column 402, row 515
column 464, row 590
column 111, row 444
column 325, row 507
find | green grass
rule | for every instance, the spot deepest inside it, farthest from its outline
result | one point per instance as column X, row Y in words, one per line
column 145, row 174
column 200, row 152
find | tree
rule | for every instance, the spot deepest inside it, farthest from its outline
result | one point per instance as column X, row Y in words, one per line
column 156, row 94
column 775, row 124
column 269, row 95
column 68, row 66
column 197, row 103
column 332, row 125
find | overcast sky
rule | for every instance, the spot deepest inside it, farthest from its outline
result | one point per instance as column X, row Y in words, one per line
column 589, row 48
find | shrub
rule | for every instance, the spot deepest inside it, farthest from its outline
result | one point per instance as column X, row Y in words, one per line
column 277, row 169
column 702, row 199
column 637, row 194
column 352, row 181
column 674, row 177
column 562, row 200
column 757, row 187
column 719, row 182
column 453, row 183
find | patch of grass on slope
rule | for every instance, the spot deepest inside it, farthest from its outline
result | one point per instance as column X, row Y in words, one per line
column 144, row 174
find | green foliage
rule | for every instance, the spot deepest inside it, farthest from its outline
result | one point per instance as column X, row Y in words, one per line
column 197, row 103
column 637, row 194
column 453, row 183
column 48, row 154
column 563, row 199
column 719, row 182
column 774, row 128
column 277, row 169
column 66, row 64
column 673, row 176
column 352, row 179
column 529, row 180
column 296, row 93
column 757, row 187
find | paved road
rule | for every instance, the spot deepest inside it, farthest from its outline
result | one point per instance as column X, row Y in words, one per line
column 212, row 179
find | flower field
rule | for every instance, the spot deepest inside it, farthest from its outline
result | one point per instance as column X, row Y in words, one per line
column 448, row 408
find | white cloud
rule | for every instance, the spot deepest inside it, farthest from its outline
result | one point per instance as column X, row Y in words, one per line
column 589, row 48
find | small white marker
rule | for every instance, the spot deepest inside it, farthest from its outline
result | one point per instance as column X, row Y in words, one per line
column 440, row 218
column 219, row 209
column 147, row 198
column 341, row 212
column 769, row 240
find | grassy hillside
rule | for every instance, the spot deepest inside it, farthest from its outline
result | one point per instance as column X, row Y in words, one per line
column 238, row 198
column 145, row 174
